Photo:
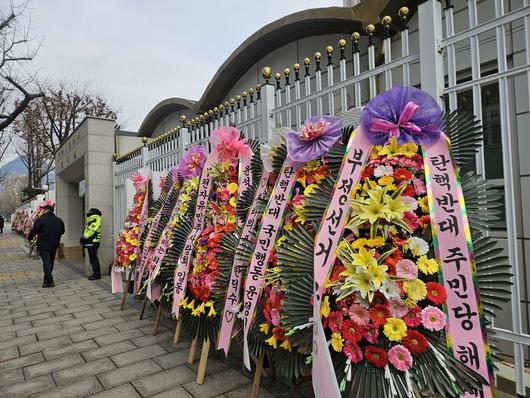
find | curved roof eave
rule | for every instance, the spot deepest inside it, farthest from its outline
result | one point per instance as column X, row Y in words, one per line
column 306, row 23
column 162, row 110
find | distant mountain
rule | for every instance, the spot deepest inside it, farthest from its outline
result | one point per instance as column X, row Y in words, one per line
column 14, row 168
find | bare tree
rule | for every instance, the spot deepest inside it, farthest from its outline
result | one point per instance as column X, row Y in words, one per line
column 64, row 106
column 30, row 132
column 5, row 140
column 17, row 84
column 11, row 194
column 48, row 121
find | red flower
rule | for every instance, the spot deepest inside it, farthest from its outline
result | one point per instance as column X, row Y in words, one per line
column 403, row 174
column 230, row 227
column 335, row 274
column 279, row 333
column 379, row 298
column 367, row 172
column 411, row 219
column 371, row 333
column 394, row 258
column 415, row 342
column 436, row 293
column 378, row 314
column 335, row 321
column 298, row 200
column 353, row 352
column 409, row 191
column 413, row 317
column 376, row 356
column 351, row 331
column 425, row 221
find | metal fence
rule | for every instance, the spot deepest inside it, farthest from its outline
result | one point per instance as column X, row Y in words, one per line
column 447, row 62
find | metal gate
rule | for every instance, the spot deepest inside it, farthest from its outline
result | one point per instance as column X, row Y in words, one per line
column 470, row 54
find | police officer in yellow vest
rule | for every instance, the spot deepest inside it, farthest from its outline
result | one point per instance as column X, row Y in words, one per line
column 91, row 239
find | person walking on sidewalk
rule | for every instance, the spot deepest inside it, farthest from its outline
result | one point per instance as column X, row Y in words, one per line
column 48, row 229
column 1, row 224
column 91, row 239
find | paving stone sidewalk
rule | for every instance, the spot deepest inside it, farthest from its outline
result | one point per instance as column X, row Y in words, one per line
column 73, row 341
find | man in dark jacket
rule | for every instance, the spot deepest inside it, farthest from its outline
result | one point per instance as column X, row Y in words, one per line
column 91, row 239
column 1, row 224
column 48, row 229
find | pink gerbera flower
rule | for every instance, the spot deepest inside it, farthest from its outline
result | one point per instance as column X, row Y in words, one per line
column 419, row 186
column 406, row 269
column 411, row 219
column 353, row 352
column 335, row 321
column 275, row 317
column 397, row 307
column 224, row 194
column 371, row 333
column 400, row 357
column 433, row 318
column 358, row 314
column 413, row 317
column 228, row 144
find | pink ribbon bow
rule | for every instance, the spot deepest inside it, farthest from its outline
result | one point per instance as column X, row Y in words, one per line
column 384, row 126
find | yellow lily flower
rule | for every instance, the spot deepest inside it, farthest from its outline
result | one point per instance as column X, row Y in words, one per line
column 310, row 189
column 264, row 328
column 379, row 274
column 325, row 309
column 364, row 258
column 212, row 312
column 286, row 345
column 184, row 302
column 312, row 165
column 190, row 305
column 272, row 341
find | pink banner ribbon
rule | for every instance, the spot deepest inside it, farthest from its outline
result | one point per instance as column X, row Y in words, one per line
column 270, row 227
column 162, row 246
column 326, row 241
column 234, row 286
column 181, row 273
column 117, row 286
column 141, row 226
column 245, row 175
column 157, row 254
column 453, row 246
column 146, row 252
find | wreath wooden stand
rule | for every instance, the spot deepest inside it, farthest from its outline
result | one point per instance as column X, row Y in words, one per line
column 261, row 371
column 178, row 328
column 201, row 371
column 143, row 307
column 126, row 290
column 156, row 323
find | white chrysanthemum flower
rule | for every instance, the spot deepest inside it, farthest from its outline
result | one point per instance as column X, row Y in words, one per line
column 390, row 289
column 266, row 150
column 383, row 170
column 411, row 202
column 417, row 246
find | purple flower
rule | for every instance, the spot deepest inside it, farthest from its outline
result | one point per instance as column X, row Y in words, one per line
column 192, row 162
column 314, row 139
column 405, row 113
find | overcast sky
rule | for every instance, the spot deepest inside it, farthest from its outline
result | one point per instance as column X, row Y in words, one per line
column 139, row 52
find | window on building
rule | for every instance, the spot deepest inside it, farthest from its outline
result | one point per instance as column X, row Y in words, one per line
column 491, row 124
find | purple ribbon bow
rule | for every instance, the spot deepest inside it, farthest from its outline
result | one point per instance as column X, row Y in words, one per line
column 405, row 113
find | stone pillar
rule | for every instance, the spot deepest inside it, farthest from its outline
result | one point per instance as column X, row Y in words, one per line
column 98, row 180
